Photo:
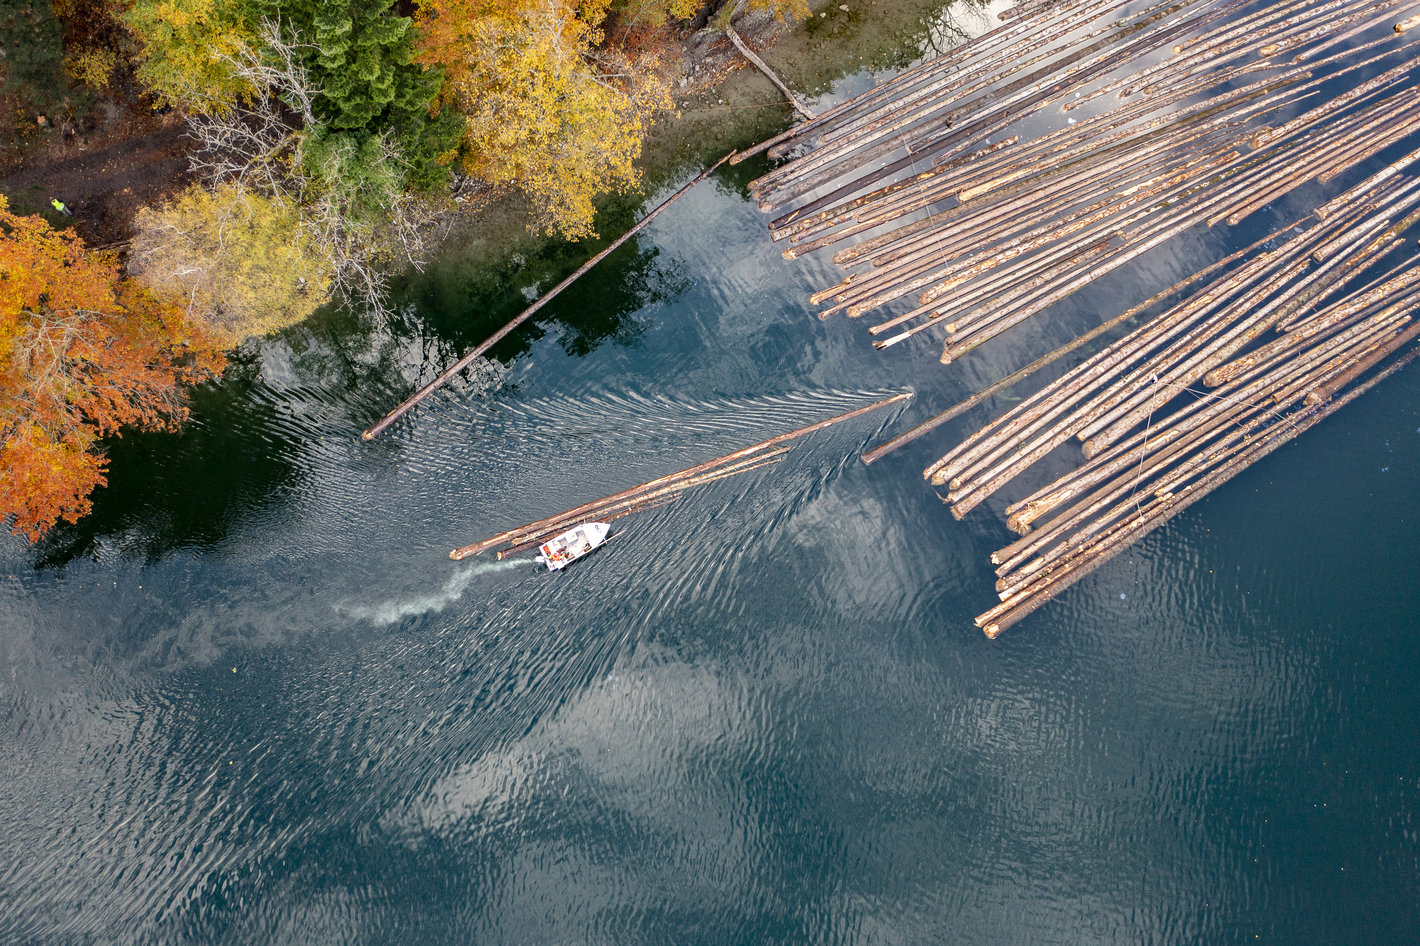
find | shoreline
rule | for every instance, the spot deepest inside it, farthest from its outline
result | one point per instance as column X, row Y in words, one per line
column 724, row 102
column 123, row 158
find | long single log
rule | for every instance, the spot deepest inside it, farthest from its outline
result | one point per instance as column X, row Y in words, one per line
column 374, row 430
column 763, row 67
column 599, row 509
column 642, row 501
column 533, row 543
column 763, row 445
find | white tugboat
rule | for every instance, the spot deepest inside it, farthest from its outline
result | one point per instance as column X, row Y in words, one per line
column 562, row 550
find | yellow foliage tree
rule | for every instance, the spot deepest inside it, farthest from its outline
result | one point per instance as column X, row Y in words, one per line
column 191, row 49
column 543, row 113
column 93, row 67
column 245, row 263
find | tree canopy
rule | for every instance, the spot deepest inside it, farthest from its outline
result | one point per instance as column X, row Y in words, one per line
column 191, row 49
column 83, row 354
column 545, row 108
column 242, row 262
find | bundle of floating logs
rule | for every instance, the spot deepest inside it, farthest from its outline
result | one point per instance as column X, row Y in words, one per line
column 660, row 491
column 949, row 214
column 986, row 235
column 1211, row 384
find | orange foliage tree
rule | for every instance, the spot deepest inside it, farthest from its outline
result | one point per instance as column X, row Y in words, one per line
column 84, row 353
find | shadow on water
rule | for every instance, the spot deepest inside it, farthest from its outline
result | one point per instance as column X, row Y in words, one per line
column 459, row 300
column 187, row 489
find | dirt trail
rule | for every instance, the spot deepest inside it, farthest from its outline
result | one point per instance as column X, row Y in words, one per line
column 105, row 185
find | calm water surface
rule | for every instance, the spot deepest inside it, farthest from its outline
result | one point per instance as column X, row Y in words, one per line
column 250, row 700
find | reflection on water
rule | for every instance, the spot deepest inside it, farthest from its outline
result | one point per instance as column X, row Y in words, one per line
column 258, row 703
column 187, row 490
column 459, row 303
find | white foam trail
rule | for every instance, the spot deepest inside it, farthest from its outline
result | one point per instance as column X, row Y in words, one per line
column 388, row 612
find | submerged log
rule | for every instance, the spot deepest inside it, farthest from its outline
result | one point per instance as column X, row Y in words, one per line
column 763, row 67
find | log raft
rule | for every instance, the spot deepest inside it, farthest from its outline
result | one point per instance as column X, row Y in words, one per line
column 950, row 212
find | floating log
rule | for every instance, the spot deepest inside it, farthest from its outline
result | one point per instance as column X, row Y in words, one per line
column 374, row 430
column 737, row 461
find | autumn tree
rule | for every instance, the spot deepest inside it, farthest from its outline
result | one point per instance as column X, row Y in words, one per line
column 242, row 263
column 83, row 355
column 291, row 211
column 546, row 109
column 191, row 49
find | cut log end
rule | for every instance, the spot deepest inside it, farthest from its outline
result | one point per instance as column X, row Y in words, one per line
column 1017, row 525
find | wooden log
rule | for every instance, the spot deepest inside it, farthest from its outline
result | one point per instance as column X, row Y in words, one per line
column 815, row 222
column 774, row 441
column 1078, row 342
column 550, row 524
column 1109, row 361
column 642, row 502
column 413, row 400
column 908, row 95
column 1192, row 357
column 1326, row 391
column 1191, row 317
column 924, row 73
column 1200, row 421
column 763, row 67
column 865, row 296
column 1007, row 614
column 990, row 440
column 1080, row 66
column 533, row 543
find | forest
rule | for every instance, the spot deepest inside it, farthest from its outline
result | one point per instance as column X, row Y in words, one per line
column 327, row 145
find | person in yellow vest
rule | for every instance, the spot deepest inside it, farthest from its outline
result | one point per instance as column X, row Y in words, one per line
column 59, row 206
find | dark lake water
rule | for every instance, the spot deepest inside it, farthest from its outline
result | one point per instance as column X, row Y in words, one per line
column 251, row 700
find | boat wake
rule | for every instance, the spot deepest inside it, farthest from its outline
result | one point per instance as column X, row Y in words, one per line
column 389, row 612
